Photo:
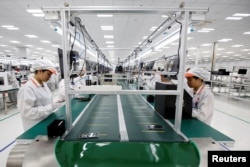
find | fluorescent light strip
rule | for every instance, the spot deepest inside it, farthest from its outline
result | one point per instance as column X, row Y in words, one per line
column 109, row 36
column 104, row 15
column 109, row 28
column 109, row 42
column 248, row 33
column 233, row 18
column 14, row 41
column 31, row 36
column 34, row 10
column 38, row 14
column 7, row 26
column 241, row 15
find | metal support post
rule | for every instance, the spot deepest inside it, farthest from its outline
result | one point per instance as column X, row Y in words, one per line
column 182, row 61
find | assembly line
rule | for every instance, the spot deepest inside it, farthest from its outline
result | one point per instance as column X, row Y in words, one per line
column 142, row 111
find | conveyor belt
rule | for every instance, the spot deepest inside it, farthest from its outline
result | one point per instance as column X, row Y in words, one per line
column 138, row 114
column 102, row 117
column 124, row 154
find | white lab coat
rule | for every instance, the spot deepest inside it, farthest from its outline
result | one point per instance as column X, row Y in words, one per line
column 81, row 80
column 151, row 83
column 203, row 104
column 34, row 102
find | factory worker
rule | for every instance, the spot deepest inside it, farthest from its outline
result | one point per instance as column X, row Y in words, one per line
column 35, row 100
column 83, row 78
column 203, row 99
column 155, row 78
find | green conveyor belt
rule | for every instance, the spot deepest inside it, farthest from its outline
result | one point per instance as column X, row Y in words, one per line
column 126, row 154
column 138, row 114
column 101, row 116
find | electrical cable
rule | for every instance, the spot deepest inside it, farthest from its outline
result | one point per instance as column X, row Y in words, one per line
column 178, row 55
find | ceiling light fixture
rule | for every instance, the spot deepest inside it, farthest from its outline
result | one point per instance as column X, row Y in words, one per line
column 14, row 41
column 12, row 28
column 233, row 18
column 31, row 36
column 109, row 36
column 109, row 42
column 107, row 28
column 34, row 10
column 241, row 15
column 104, row 15
column 38, row 14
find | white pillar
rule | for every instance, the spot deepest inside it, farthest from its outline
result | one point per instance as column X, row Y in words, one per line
column 197, row 57
column 23, row 52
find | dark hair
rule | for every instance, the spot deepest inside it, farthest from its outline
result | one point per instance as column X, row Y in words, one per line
column 40, row 70
column 195, row 77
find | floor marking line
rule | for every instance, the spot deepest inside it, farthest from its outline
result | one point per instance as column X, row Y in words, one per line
column 233, row 116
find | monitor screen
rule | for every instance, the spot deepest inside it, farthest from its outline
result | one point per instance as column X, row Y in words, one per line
column 242, row 71
column 60, row 55
column 165, row 104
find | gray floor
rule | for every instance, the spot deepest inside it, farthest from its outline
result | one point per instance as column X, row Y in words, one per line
column 231, row 117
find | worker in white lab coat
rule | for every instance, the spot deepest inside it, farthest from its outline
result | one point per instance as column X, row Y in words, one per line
column 155, row 78
column 203, row 99
column 35, row 100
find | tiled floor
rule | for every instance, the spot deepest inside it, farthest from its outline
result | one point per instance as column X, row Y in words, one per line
column 231, row 117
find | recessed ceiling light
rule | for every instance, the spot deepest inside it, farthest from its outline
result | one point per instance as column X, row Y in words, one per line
column 164, row 16
column 14, row 41
column 34, row 10
column 13, row 28
column 56, row 46
column 206, row 44
column 229, row 52
column 45, row 41
column 31, row 36
column 207, row 29
column 241, row 14
column 247, row 33
column 145, row 37
column 7, row 50
column 28, row 45
column 107, row 28
column 224, row 40
column 109, row 42
column 236, row 46
column 110, row 46
column 104, row 15
column 192, row 48
column 38, row 14
column 233, row 18
column 203, row 31
column 220, row 48
column 108, row 36
column 7, row 26
column 245, row 50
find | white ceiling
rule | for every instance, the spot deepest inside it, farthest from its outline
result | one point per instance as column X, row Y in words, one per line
column 129, row 30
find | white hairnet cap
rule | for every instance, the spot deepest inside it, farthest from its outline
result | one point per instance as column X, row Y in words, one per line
column 198, row 72
column 43, row 65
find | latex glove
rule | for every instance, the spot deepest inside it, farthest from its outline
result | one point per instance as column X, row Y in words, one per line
column 56, row 105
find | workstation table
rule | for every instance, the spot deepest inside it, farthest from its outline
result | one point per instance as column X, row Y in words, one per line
column 4, row 93
column 142, row 147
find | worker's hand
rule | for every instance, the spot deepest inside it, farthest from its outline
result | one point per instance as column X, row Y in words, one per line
column 56, row 105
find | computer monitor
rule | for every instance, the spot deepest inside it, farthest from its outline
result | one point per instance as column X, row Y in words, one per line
column 60, row 55
column 165, row 105
column 242, row 71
